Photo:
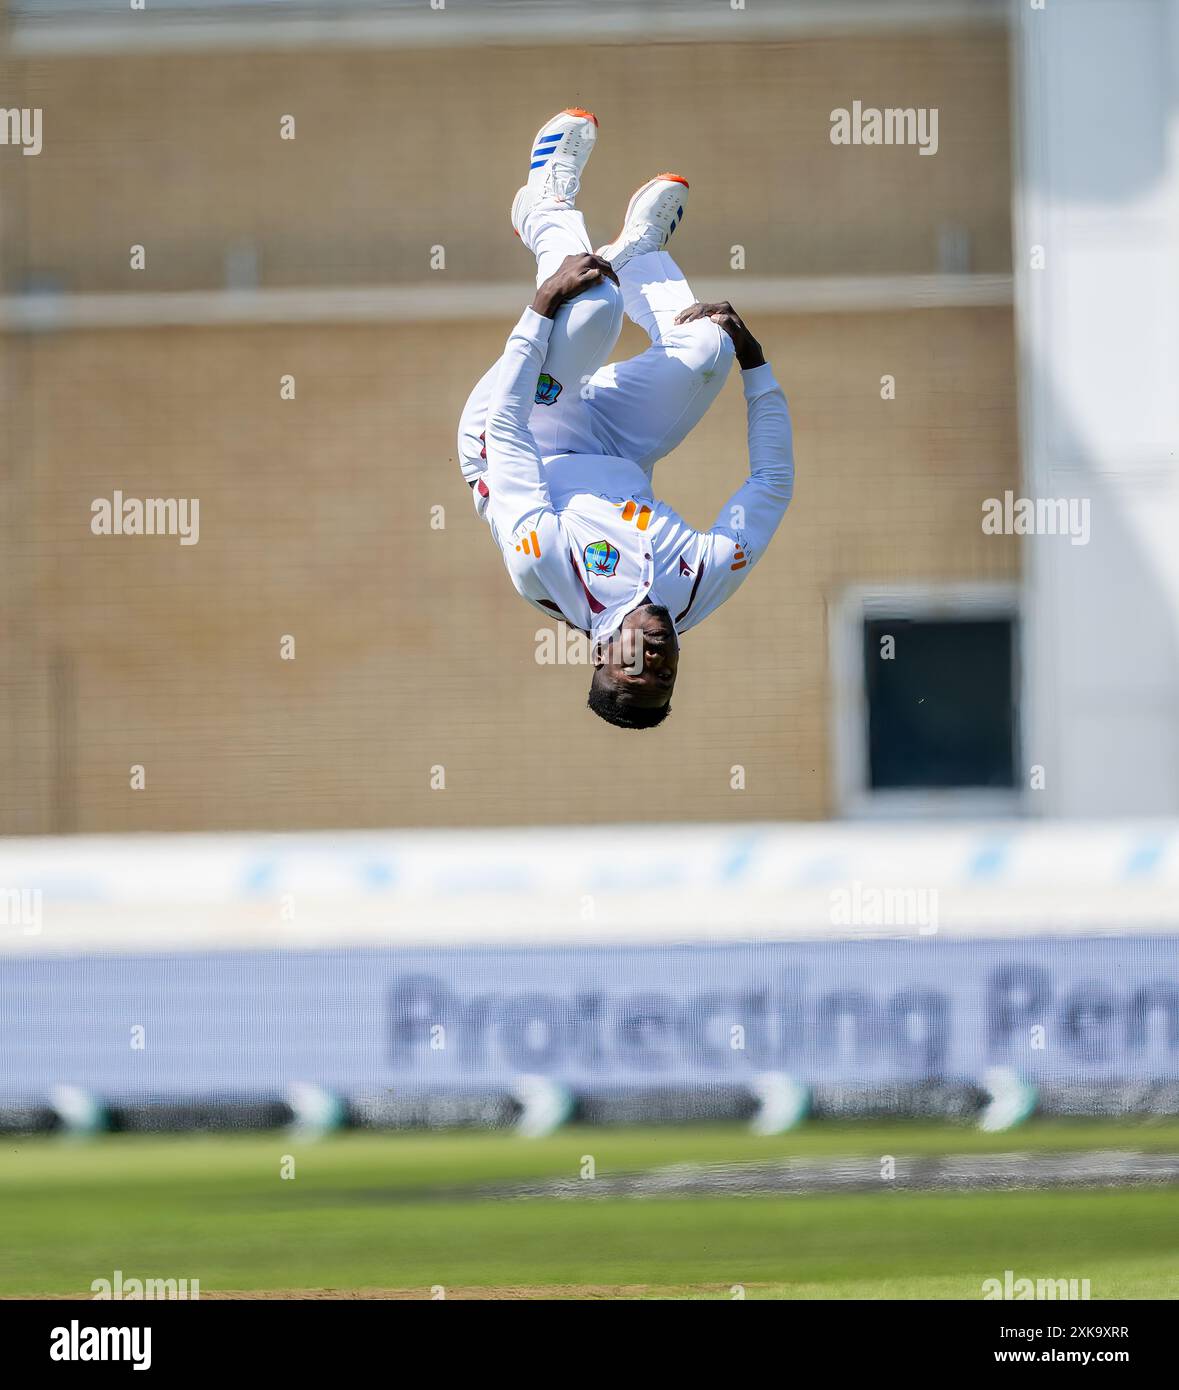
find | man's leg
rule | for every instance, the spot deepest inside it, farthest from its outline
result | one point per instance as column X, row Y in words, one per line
column 584, row 332
column 583, row 337
column 644, row 407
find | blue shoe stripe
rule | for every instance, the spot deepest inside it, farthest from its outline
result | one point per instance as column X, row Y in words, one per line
column 538, row 164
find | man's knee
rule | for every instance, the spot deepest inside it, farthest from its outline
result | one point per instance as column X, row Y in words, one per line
column 583, row 336
column 597, row 314
column 703, row 346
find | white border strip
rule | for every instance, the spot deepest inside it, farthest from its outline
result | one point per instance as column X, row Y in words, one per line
column 590, row 885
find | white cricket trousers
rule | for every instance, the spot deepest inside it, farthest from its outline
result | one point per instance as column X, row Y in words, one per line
column 640, row 409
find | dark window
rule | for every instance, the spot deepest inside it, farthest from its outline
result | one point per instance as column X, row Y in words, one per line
column 941, row 712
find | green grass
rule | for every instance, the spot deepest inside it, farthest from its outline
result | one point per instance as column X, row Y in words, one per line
column 381, row 1211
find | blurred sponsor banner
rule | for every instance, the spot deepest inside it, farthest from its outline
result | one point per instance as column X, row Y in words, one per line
column 136, row 894
column 381, row 967
column 370, row 1022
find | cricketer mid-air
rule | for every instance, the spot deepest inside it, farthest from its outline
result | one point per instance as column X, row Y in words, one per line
column 559, row 446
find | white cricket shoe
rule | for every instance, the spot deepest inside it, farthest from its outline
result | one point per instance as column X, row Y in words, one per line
column 652, row 215
column 559, row 154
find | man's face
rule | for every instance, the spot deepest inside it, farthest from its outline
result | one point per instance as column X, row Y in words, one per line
column 641, row 662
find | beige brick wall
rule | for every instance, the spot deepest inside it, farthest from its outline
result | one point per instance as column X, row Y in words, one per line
column 411, row 647
column 399, row 151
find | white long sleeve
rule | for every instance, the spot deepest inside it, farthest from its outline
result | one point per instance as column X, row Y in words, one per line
column 723, row 557
column 593, row 561
column 515, row 477
column 754, row 511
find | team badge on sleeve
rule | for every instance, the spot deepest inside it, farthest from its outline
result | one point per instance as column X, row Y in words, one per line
column 601, row 558
column 548, row 388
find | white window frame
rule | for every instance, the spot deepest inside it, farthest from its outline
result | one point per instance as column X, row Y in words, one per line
column 849, row 704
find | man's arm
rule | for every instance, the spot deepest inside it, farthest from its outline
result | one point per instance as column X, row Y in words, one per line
column 746, row 523
column 751, row 516
column 515, row 477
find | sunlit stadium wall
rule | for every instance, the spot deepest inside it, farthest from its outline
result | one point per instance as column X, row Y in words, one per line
column 410, row 648
column 647, row 973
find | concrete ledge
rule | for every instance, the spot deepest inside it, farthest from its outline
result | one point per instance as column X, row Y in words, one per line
column 455, row 303
column 47, row 29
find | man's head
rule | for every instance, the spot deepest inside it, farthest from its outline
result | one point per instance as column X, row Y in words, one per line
column 635, row 670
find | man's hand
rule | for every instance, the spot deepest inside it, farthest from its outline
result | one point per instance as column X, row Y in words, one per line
column 574, row 275
column 749, row 353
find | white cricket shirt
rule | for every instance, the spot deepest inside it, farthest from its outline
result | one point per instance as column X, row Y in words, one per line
column 581, row 534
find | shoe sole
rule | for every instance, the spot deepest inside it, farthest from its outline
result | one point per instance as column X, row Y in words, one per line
column 638, row 193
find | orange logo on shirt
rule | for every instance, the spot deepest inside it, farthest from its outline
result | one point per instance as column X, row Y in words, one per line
column 643, row 518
